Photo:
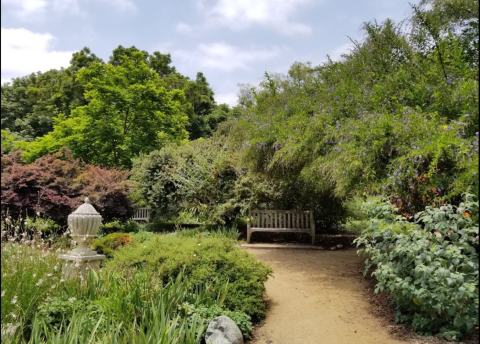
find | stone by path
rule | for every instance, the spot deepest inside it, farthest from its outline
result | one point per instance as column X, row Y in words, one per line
column 317, row 297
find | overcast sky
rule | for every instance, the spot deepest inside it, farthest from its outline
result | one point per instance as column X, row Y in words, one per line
column 230, row 41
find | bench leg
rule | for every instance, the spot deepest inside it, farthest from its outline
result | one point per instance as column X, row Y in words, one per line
column 248, row 236
column 313, row 237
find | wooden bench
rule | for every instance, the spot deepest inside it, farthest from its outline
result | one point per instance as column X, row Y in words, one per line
column 280, row 221
column 142, row 214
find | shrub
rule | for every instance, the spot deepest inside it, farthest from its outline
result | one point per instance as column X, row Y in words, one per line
column 203, row 260
column 431, row 272
column 143, row 236
column 54, row 185
column 198, row 182
column 111, row 242
column 129, row 226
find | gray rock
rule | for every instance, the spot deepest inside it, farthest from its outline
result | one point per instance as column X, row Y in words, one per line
column 333, row 248
column 340, row 246
column 222, row 330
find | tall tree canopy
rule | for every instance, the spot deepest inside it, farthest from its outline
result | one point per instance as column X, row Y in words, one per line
column 107, row 113
column 397, row 116
column 128, row 112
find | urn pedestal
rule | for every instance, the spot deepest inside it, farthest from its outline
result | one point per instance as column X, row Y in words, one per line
column 84, row 224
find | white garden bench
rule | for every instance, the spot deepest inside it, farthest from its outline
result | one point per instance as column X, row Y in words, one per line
column 142, row 214
column 280, row 221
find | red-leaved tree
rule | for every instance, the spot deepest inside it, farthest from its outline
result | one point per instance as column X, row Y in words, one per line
column 55, row 185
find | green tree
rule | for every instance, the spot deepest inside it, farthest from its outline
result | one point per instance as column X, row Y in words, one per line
column 127, row 113
column 30, row 103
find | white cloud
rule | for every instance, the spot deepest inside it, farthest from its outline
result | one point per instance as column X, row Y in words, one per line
column 227, row 98
column 25, row 52
column 29, row 10
column 223, row 56
column 184, row 28
column 337, row 53
column 241, row 14
column 25, row 9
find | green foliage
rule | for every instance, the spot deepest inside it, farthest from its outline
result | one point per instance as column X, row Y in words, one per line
column 134, row 103
column 208, row 313
column 429, row 267
column 30, row 103
column 210, row 231
column 29, row 275
column 143, row 236
column 127, row 113
column 111, row 242
column 129, row 226
column 397, row 116
column 199, row 182
column 56, row 311
column 8, row 141
column 46, row 226
column 106, row 306
column 203, row 260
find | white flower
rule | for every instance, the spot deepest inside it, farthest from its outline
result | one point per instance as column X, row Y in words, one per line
column 13, row 315
column 39, row 283
column 72, row 299
column 38, row 213
column 194, row 255
column 4, row 275
column 55, row 268
column 14, row 300
column 34, row 275
column 62, row 280
column 3, row 293
column 199, row 244
column 49, row 275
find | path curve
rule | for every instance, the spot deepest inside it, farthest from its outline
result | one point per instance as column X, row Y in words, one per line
column 318, row 297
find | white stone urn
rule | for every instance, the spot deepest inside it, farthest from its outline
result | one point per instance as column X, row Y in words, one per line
column 84, row 224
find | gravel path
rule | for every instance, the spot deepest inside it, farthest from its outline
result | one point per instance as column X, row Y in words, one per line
column 318, row 297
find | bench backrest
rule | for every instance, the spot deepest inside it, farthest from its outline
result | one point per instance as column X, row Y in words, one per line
column 142, row 214
column 292, row 219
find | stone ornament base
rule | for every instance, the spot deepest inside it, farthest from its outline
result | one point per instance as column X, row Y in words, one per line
column 78, row 266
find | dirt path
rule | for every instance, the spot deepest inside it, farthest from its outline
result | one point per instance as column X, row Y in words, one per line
column 317, row 297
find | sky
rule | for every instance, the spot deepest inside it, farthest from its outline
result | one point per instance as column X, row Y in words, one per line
column 231, row 41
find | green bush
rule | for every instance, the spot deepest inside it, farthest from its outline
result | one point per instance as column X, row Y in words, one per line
column 204, row 259
column 47, row 226
column 57, row 310
column 429, row 267
column 142, row 236
column 108, row 244
column 129, row 226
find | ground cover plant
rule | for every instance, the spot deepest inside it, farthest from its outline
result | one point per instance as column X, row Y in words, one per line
column 122, row 304
column 202, row 257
